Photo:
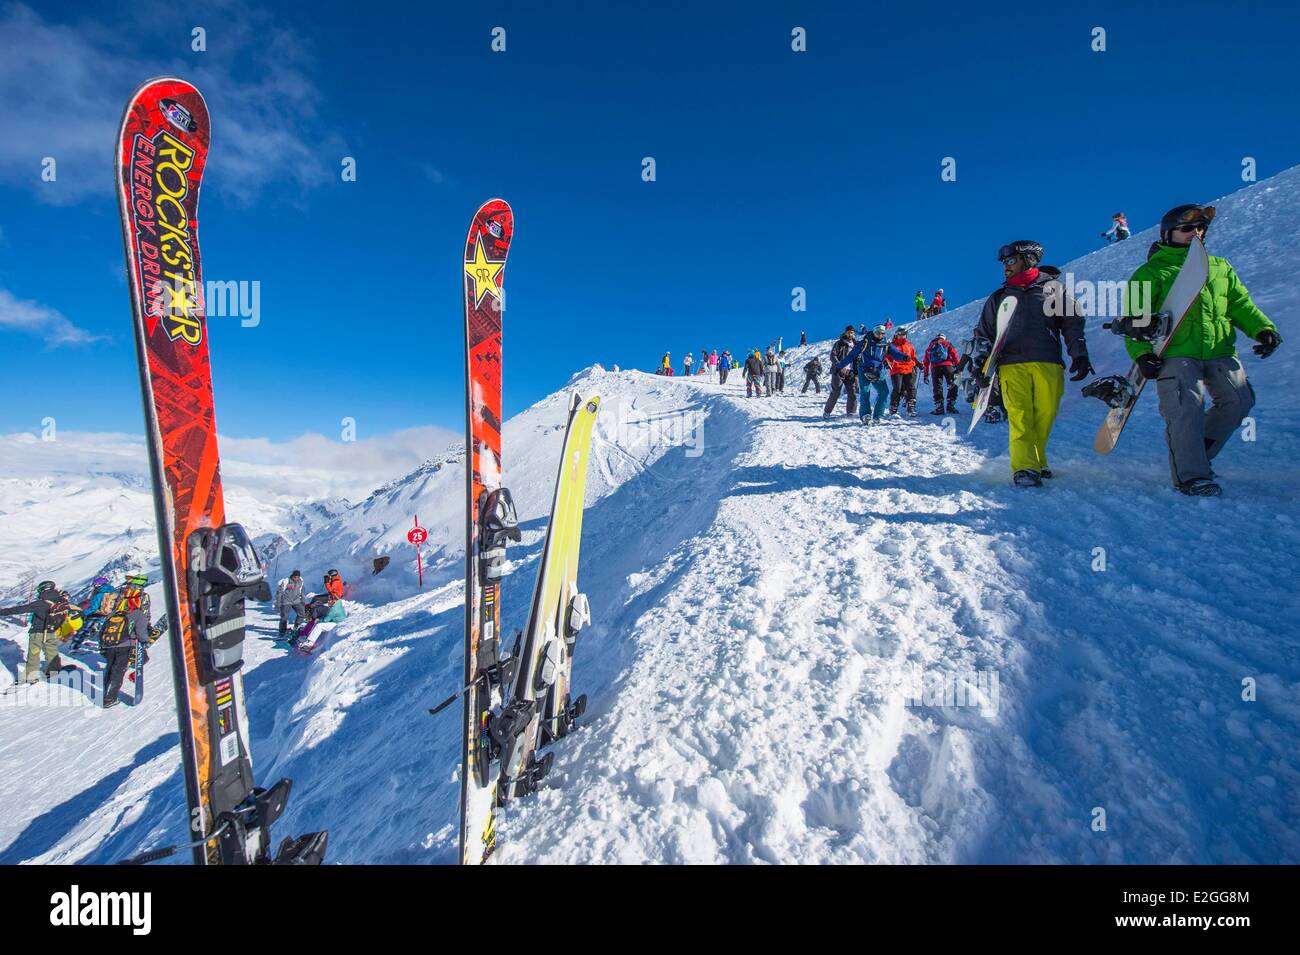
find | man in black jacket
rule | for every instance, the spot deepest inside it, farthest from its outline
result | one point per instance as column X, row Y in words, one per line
column 1029, row 366
column 753, row 374
column 49, row 610
column 812, row 374
column 845, row 378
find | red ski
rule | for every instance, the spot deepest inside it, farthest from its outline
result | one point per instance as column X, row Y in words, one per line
column 208, row 566
column 490, row 522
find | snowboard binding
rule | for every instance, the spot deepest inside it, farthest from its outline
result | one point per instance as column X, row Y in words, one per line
column 1115, row 390
column 1144, row 328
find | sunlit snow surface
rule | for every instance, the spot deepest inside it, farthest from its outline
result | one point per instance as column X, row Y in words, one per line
column 762, row 610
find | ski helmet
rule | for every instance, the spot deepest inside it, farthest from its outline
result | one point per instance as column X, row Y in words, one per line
column 900, row 332
column 1027, row 249
column 331, row 572
column 296, row 573
column 940, row 337
column 879, row 331
column 100, row 581
column 45, row 585
column 1189, row 214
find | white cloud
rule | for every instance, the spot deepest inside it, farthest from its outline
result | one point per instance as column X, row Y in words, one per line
column 40, row 320
column 306, row 468
column 63, row 88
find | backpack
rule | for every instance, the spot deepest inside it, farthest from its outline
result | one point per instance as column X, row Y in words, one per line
column 938, row 353
column 116, row 630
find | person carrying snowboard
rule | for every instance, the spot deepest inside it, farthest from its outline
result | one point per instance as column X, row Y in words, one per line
column 1030, row 369
column 1201, row 358
column 902, row 374
column 941, row 362
column 975, row 351
column 870, row 355
column 844, row 378
column 753, row 375
column 724, row 366
column 1118, row 230
column 812, row 373
column 289, row 595
column 48, row 610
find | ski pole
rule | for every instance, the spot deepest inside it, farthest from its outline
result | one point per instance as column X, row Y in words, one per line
column 454, row 697
column 153, row 855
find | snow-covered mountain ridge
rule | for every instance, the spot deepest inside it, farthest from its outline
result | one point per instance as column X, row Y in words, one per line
column 812, row 641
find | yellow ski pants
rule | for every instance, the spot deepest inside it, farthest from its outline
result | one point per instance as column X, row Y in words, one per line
column 1032, row 393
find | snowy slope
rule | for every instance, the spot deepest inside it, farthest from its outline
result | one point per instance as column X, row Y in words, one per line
column 777, row 620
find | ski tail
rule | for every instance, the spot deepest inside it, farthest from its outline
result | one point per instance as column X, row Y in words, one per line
column 1006, row 308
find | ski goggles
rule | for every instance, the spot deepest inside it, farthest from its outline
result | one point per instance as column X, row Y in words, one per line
column 1196, row 218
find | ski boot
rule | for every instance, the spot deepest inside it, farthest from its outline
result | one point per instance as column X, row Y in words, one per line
column 938, row 411
column 1199, row 487
column 911, row 409
column 952, row 408
column 1046, row 474
column 892, row 412
column 1026, row 478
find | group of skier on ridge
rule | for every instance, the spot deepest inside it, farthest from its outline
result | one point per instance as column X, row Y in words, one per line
column 1028, row 381
column 923, row 310
column 120, row 619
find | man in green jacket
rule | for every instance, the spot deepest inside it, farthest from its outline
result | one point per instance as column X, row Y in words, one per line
column 1202, row 355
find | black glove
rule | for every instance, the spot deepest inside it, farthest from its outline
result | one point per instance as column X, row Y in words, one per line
column 1149, row 365
column 1268, row 342
column 1080, row 368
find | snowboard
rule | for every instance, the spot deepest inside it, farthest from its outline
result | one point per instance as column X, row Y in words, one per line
column 208, row 566
column 539, row 695
column 490, row 520
column 1178, row 301
column 1006, row 309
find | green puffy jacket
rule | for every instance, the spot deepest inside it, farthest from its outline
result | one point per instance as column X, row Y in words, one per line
column 1209, row 330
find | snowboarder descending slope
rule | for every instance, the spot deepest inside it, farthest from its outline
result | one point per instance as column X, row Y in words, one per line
column 844, row 378
column 1029, row 365
column 1201, row 356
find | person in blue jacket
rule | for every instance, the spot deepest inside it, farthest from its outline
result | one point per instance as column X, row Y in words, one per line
column 870, row 357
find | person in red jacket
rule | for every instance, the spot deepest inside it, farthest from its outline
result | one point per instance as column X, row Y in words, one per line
column 936, row 305
column 941, row 360
column 902, row 374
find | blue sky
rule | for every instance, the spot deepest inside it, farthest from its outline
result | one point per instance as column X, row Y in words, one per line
column 775, row 169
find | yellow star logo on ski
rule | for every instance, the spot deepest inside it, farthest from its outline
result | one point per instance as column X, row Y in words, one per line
column 483, row 273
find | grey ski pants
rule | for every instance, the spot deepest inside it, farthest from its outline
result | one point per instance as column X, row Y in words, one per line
column 1195, row 435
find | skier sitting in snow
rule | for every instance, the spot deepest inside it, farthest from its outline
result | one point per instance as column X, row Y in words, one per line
column 48, row 612
column 1029, row 368
column 1202, row 355
column 289, row 596
column 844, row 378
column 870, row 355
column 1118, row 230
